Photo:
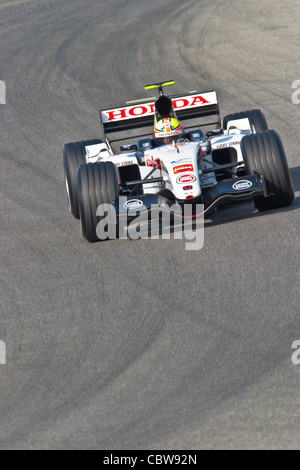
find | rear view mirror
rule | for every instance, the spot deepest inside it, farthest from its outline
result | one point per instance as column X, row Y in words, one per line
column 214, row 132
column 128, row 148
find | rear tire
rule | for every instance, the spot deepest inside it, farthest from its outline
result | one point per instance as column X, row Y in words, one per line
column 97, row 184
column 73, row 156
column 264, row 153
column 256, row 117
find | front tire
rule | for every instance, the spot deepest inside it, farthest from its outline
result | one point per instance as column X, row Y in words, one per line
column 264, row 153
column 256, row 118
column 73, row 156
column 97, row 184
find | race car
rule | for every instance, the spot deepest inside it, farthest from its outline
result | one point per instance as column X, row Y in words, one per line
column 173, row 161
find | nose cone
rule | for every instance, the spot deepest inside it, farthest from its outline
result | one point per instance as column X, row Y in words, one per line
column 181, row 163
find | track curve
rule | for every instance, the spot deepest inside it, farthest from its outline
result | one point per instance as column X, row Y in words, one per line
column 131, row 345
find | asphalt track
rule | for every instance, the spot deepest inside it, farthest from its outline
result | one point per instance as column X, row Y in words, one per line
column 143, row 345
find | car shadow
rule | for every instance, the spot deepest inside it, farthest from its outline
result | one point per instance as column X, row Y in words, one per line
column 227, row 214
column 246, row 210
column 295, row 175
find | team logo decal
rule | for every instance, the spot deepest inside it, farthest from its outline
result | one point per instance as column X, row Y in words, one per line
column 133, row 204
column 182, row 161
column 152, row 161
column 242, row 184
column 182, row 168
column 193, row 101
column 186, row 179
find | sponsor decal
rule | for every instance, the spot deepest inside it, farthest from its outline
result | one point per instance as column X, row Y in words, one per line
column 166, row 134
column 181, row 161
column 227, row 144
column 186, row 179
column 182, row 168
column 125, row 163
column 133, row 204
column 152, row 161
column 242, row 184
column 221, row 146
column 147, row 109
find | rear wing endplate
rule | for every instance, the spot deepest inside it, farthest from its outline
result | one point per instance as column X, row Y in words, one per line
column 140, row 114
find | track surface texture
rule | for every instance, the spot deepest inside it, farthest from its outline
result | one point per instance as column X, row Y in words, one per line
column 142, row 344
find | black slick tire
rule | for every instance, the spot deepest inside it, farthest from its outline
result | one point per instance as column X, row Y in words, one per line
column 256, row 118
column 97, row 184
column 264, row 153
column 73, row 156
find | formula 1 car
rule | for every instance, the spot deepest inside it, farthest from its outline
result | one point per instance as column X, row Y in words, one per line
column 241, row 160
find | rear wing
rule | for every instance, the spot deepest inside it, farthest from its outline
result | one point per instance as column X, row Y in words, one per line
column 139, row 115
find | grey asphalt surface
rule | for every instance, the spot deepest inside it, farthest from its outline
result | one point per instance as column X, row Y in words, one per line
column 143, row 345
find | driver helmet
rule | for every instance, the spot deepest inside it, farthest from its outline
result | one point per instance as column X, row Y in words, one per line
column 167, row 130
